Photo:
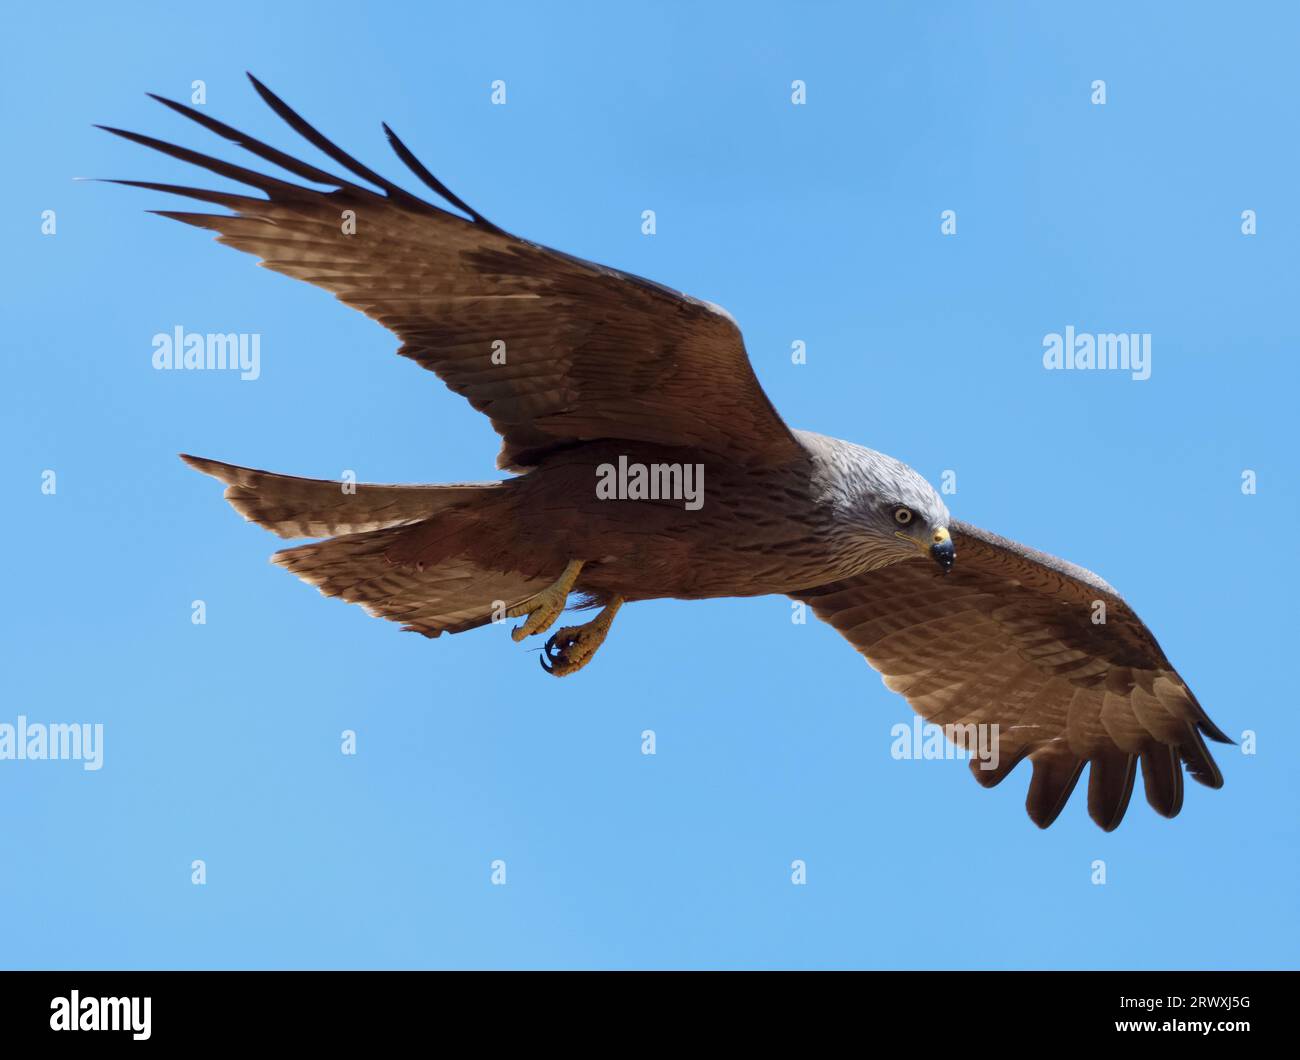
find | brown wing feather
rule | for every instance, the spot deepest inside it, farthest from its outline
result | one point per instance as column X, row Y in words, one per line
column 1008, row 638
column 590, row 352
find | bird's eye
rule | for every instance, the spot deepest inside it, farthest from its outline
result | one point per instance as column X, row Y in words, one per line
column 903, row 516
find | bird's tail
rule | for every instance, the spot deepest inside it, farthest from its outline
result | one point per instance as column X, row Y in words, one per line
column 410, row 554
column 309, row 507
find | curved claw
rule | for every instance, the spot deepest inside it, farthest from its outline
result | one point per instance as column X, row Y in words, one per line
column 555, row 657
column 570, row 649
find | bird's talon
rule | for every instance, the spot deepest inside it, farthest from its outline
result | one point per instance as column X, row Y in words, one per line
column 570, row 649
column 545, row 607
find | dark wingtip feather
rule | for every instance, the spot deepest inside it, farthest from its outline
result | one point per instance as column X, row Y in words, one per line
column 1050, row 787
column 322, row 143
column 991, row 778
column 210, row 221
column 1214, row 732
column 420, row 170
column 1202, row 719
column 1200, row 763
column 215, row 165
column 263, row 150
column 1162, row 779
column 221, row 198
column 1110, row 786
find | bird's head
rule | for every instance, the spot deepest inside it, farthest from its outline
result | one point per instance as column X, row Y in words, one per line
column 889, row 507
column 925, row 530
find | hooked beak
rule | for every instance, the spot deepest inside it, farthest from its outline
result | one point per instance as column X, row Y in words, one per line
column 941, row 548
column 942, row 551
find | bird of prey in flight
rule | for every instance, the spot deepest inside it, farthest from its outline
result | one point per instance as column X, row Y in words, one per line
column 601, row 370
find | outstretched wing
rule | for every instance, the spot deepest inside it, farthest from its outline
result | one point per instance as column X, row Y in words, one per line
column 589, row 352
column 1015, row 638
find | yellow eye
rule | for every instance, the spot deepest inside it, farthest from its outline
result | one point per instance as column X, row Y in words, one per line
column 903, row 516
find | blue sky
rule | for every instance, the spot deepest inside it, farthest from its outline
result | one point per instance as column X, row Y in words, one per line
column 818, row 223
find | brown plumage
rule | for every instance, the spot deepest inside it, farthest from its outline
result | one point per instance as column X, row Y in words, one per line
column 580, row 367
column 1009, row 637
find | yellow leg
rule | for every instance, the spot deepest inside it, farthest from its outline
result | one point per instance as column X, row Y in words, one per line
column 571, row 648
column 545, row 607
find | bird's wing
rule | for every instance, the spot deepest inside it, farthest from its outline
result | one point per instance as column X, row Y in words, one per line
column 1019, row 639
column 589, row 352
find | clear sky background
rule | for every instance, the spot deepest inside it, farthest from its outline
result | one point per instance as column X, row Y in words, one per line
column 818, row 223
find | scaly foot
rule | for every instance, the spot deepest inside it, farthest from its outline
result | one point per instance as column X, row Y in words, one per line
column 545, row 607
column 571, row 648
